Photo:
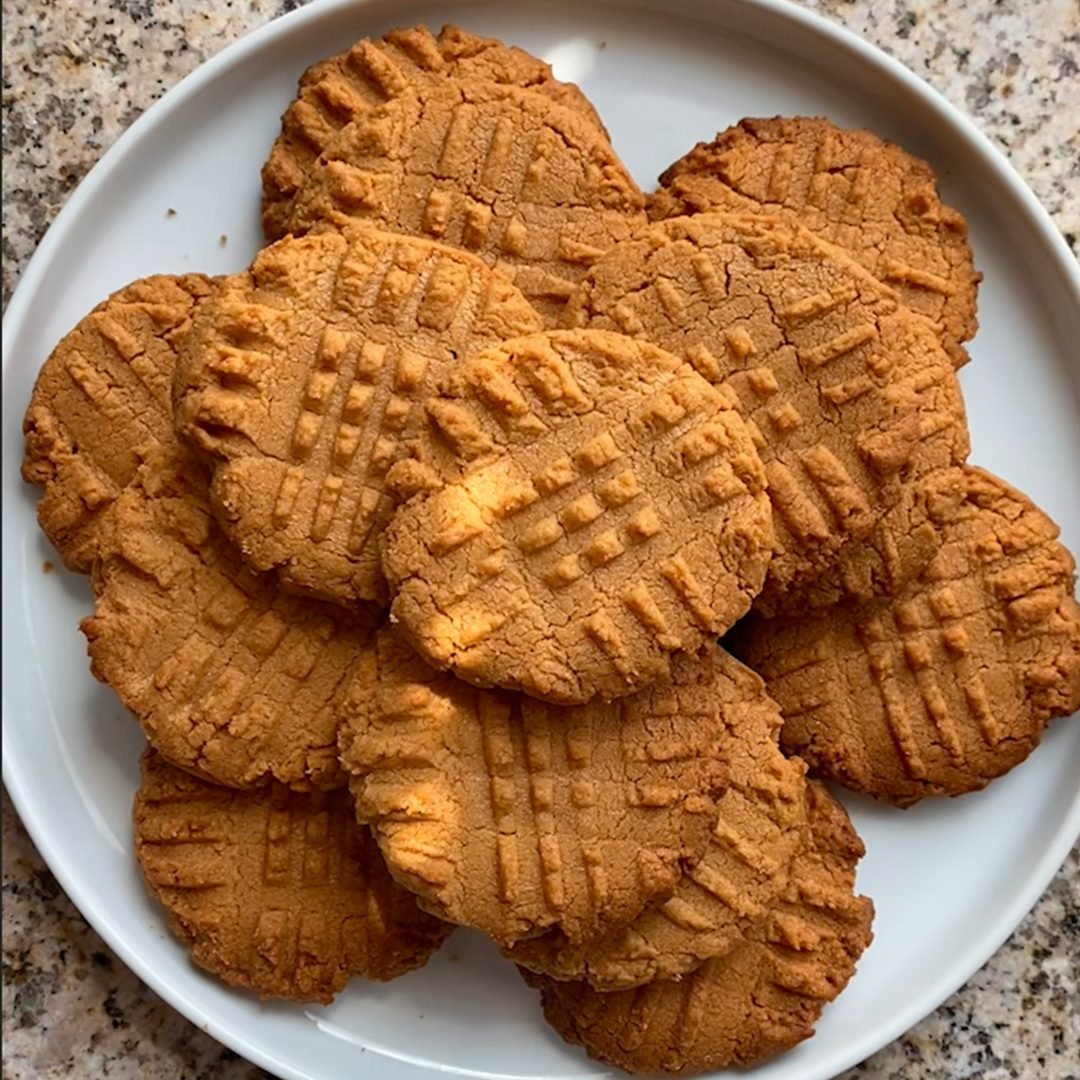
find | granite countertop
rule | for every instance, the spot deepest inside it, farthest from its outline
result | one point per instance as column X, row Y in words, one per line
column 75, row 75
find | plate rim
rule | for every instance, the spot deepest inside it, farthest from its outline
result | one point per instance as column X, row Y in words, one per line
column 237, row 52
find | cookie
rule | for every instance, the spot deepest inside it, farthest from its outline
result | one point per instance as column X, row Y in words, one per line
column 841, row 384
column 304, row 381
column 228, row 676
column 950, row 682
column 275, row 891
column 512, row 816
column 101, row 401
column 524, row 183
column 850, row 187
column 345, row 87
column 611, row 512
column 761, row 998
column 761, row 823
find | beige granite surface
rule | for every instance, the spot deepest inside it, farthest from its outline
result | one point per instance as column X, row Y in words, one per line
column 76, row 73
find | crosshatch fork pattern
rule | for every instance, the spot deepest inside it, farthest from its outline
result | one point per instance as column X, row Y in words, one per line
column 305, row 386
column 344, row 88
column 228, row 676
column 951, row 681
column 511, row 815
column 524, row 183
column 275, row 890
column 760, row 998
column 761, row 818
column 606, row 479
column 839, row 385
column 849, row 187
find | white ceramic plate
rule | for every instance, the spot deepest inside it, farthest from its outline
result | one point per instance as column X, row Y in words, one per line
column 950, row 880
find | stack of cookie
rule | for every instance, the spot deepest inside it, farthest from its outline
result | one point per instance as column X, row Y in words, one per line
column 411, row 544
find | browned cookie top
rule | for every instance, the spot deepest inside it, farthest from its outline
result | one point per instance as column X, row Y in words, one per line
column 101, row 405
column 611, row 512
column 527, row 185
column 513, row 816
column 228, row 676
column 850, row 187
column 305, row 380
column 345, row 87
column 948, row 683
column 761, row 998
column 760, row 825
column 274, row 891
column 841, row 386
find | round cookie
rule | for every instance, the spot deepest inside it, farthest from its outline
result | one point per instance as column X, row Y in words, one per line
column 228, row 676
column 949, row 682
column 611, row 512
column 274, row 891
column 304, row 380
column 345, row 87
column 841, row 385
column 850, row 187
column 761, row 998
column 101, row 403
column 524, row 183
column 761, row 822
column 512, row 816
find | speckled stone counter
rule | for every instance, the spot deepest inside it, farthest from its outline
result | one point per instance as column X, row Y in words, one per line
column 75, row 75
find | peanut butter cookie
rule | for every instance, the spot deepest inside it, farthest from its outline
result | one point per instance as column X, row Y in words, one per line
column 839, row 383
column 513, row 816
column 948, row 683
column 527, row 185
column 274, row 891
column 228, row 676
column 102, row 403
column 761, row 998
column 761, row 822
column 611, row 512
column 345, row 87
column 304, row 380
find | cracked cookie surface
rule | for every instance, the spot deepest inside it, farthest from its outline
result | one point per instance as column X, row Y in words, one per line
column 761, row 998
column 525, row 184
column 345, row 87
column 512, row 816
column 611, row 512
column 274, row 891
column 305, row 380
column 760, row 824
column 850, row 187
column 949, row 682
column 839, row 384
column 102, row 404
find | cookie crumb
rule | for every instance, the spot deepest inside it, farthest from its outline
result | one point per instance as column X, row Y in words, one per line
column 170, row 213
column 47, row 567
column 223, row 240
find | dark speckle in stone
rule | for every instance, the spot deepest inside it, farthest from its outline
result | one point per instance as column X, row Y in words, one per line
column 113, row 1010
